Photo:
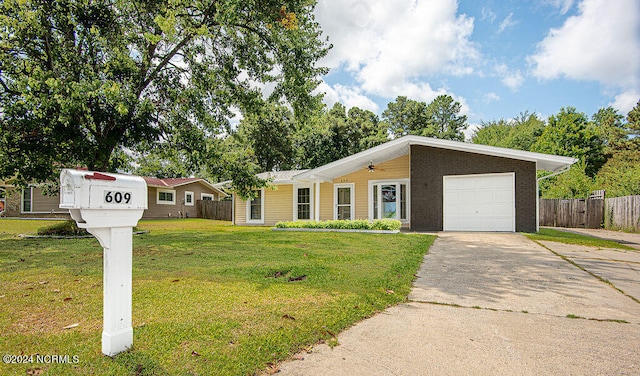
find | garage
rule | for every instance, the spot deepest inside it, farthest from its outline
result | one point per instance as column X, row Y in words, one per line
column 480, row 202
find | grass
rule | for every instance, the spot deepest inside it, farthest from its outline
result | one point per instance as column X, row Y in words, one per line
column 208, row 298
column 547, row 234
column 9, row 228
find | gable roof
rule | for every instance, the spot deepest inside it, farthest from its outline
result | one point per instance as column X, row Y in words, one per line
column 401, row 146
column 177, row 182
column 280, row 177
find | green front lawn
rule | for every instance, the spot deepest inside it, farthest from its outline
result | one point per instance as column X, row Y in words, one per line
column 551, row 235
column 208, row 298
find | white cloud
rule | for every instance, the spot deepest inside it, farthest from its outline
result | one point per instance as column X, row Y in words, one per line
column 511, row 79
column 487, row 14
column 601, row 43
column 626, row 101
column 388, row 45
column 491, row 97
column 348, row 96
column 563, row 5
column 507, row 23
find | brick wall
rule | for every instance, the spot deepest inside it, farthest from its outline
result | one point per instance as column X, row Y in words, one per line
column 429, row 165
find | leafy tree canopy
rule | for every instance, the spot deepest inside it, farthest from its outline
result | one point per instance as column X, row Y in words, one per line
column 441, row 118
column 620, row 176
column 570, row 133
column 80, row 80
column 269, row 133
column 337, row 134
column 572, row 184
column 520, row 133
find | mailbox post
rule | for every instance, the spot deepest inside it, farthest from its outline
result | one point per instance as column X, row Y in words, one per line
column 109, row 206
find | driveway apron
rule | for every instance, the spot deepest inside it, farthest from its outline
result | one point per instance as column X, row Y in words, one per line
column 491, row 304
column 509, row 272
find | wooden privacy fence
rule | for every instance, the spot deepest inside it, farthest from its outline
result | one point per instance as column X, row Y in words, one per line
column 622, row 213
column 572, row 213
column 617, row 213
column 220, row 210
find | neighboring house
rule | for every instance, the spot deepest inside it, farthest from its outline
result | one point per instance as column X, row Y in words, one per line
column 3, row 196
column 166, row 198
column 177, row 197
column 429, row 184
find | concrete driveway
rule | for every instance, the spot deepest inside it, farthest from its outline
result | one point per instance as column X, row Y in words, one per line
column 487, row 304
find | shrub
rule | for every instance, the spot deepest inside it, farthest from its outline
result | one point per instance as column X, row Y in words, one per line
column 358, row 224
column 66, row 228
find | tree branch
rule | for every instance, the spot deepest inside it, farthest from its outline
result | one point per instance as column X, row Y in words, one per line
column 7, row 89
column 174, row 50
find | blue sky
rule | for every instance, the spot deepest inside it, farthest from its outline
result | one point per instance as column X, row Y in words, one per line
column 497, row 58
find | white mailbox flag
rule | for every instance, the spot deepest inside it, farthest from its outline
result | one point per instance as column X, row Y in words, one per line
column 109, row 206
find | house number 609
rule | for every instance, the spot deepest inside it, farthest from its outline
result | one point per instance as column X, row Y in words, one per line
column 114, row 197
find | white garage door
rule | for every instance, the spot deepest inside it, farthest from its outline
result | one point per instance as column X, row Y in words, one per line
column 479, row 202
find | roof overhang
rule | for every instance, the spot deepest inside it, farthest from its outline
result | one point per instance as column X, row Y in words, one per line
column 200, row 181
column 401, row 147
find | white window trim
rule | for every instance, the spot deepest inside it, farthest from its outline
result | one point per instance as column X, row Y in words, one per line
column 248, row 205
column 159, row 202
column 193, row 198
column 22, row 201
column 203, row 195
column 352, row 199
column 311, row 201
column 407, row 182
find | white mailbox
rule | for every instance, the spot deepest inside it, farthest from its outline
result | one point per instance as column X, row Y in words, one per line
column 108, row 206
column 93, row 198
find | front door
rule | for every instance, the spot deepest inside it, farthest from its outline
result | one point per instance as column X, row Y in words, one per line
column 343, row 197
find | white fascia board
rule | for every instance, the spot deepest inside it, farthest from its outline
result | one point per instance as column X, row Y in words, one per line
column 496, row 151
column 400, row 146
column 324, row 171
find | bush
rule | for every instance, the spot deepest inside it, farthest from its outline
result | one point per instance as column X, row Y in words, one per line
column 66, row 228
column 358, row 224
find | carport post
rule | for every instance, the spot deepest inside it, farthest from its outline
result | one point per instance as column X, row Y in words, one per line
column 316, row 202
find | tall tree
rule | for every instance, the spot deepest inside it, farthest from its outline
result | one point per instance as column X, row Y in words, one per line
column 633, row 127
column 269, row 132
column 80, row 80
column 441, row 118
column 571, row 134
column 610, row 125
column 337, row 134
column 444, row 119
column 370, row 131
column 405, row 116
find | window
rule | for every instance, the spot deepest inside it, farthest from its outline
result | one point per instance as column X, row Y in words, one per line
column 166, row 197
column 27, row 195
column 188, row 198
column 206, row 197
column 389, row 199
column 303, row 204
column 255, row 208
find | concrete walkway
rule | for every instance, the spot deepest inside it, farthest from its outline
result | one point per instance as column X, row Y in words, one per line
column 492, row 304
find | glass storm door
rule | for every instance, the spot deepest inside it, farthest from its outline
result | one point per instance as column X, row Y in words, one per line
column 344, row 202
